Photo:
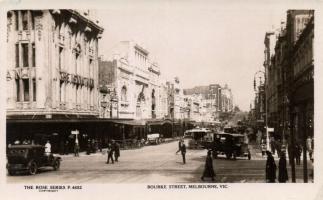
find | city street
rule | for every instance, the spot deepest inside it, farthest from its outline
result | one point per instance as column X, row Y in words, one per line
column 151, row 164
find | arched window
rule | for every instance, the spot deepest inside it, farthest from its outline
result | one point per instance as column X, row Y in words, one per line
column 124, row 93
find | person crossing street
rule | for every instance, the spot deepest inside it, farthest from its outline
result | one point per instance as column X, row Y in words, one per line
column 110, row 153
column 182, row 149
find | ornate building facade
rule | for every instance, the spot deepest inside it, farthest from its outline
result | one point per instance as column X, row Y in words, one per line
column 52, row 58
column 136, row 82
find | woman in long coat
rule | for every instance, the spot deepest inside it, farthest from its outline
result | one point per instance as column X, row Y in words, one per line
column 270, row 168
column 283, row 175
column 208, row 169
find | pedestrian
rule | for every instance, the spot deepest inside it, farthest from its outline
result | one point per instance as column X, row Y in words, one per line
column 100, row 145
column 66, row 147
column 110, row 153
column 272, row 145
column 278, row 145
column 298, row 153
column 270, row 168
column 76, row 148
column 282, row 168
column 48, row 148
column 208, row 168
column 61, row 146
column 182, row 149
column 116, row 150
column 309, row 146
column 263, row 149
column 88, row 147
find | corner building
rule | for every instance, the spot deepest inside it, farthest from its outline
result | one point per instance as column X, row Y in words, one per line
column 52, row 67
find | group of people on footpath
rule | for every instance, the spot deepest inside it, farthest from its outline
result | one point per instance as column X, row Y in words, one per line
column 208, row 167
column 271, row 168
column 113, row 152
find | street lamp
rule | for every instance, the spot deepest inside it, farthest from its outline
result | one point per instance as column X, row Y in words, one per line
column 266, row 114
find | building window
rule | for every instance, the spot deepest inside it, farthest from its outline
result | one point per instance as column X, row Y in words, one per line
column 24, row 54
column 33, row 55
column 60, row 58
column 18, row 90
column 124, row 93
column 32, row 22
column 34, row 90
column 24, row 20
column 76, row 62
column 17, row 55
column 60, row 92
column 16, row 20
column 26, row 89
column 90, row 67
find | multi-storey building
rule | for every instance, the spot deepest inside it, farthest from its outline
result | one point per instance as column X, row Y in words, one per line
column 289, row 73
column 270, row 79
column 52, row 63
column 300, row 35
column 135, row 80
column 52, row 68
column 193, row 103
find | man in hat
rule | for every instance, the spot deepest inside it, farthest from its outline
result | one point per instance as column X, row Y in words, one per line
column 182, row 149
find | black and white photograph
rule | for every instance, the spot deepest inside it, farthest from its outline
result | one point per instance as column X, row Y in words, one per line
column 174, row 92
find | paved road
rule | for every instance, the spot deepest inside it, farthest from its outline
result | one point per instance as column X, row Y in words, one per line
column 150, row 164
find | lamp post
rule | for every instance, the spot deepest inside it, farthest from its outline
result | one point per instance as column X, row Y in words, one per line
column 266, row 114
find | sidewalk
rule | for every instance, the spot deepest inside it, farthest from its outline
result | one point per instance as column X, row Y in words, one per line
column 104, row 150
column 256, row 155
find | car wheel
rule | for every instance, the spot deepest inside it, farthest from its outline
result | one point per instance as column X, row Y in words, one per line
column 11, row 172
column 56, row 165
column 32, row 168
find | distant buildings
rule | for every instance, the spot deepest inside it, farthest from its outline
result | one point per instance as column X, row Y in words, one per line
column 214, row 100
column 59, row 89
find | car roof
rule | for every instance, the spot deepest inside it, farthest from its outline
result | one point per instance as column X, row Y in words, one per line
column 198, row 130
column 26, row 146
column 232, row 134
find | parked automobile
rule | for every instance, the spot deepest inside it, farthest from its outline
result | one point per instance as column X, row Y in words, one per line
column 29, row 158
column 230, row 145
column 155, row 138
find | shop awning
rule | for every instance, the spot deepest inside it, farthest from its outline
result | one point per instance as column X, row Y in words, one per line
column 131, row 122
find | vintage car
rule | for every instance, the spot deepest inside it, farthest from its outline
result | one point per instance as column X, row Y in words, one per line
column 29, row 158
column 155, row 138
column 230, row 145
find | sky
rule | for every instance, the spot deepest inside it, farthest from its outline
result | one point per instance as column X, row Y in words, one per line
column 201, row 44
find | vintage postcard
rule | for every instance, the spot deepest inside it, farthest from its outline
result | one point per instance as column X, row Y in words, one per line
column 188, row 99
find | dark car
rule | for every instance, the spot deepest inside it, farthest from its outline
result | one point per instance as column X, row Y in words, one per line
column 29, row 158
column 230, row 145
